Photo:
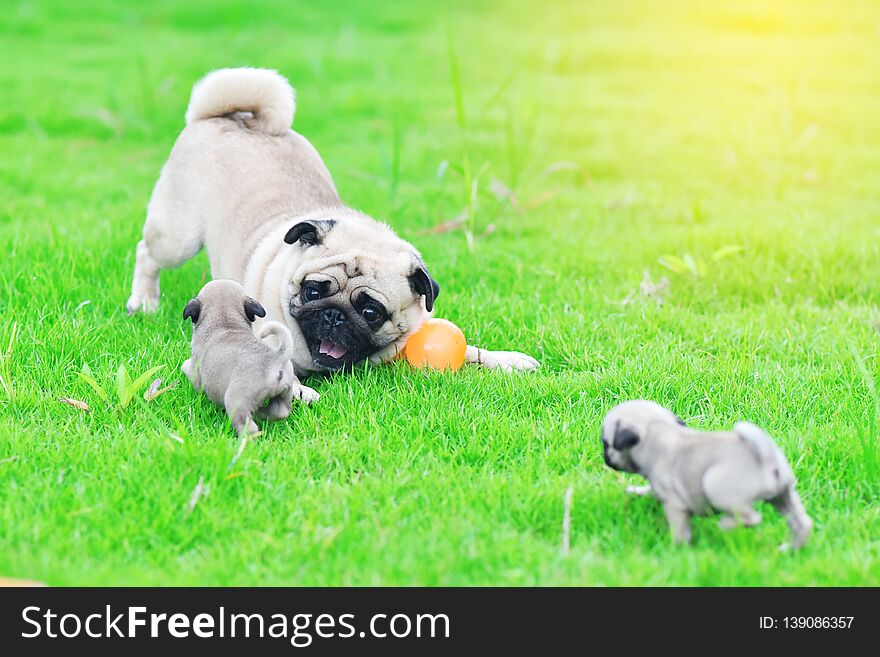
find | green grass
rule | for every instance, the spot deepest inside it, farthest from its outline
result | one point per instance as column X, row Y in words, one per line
column 617, row 134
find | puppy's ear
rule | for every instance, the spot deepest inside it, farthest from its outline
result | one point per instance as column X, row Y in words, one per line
column 253, row 309
column 193, row 310
column 309, row 233
column 424, row 286
column 625, row 438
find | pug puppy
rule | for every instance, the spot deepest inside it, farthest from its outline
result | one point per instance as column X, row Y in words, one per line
column 694, row 472
column 235, row 368
column 257, row 196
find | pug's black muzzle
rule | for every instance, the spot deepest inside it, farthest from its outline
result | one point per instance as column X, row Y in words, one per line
column 331, row 318
column 335, row 340
column 608, row 461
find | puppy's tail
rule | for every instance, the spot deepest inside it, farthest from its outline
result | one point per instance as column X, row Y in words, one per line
column 265, row 95
column 768, row 454
column 281, row 336
column 779, row 480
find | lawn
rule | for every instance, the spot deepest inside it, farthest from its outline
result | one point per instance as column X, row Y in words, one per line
column 664, row 200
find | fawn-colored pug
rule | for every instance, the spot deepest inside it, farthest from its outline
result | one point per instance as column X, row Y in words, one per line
column 236, row 368
column 695, row 472
column 257, row 196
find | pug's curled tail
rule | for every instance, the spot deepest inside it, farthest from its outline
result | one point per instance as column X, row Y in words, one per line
column 767, row 451
column 262, row 98
column 282, row 338
column 779, row 480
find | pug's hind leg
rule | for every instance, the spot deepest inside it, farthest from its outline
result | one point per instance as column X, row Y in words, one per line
column 172, row 235
column 239, row 407
column 145, row 282
column 278, row 407
column 788, row 503
column 243, row 423
column 679, row 522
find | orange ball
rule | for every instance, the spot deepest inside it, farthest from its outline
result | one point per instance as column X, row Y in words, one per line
column 438, row 344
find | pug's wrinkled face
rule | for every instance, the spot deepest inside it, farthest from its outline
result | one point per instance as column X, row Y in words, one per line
column 625, row 427
column 355, row 292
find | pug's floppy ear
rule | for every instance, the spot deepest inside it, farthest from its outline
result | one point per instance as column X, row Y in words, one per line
column 253, row 309
column 309, row 233
column 625, row 438
column 423, row 285
column 193, row 310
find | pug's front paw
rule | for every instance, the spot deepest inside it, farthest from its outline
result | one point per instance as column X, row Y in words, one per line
column 507, row 361
column 305, row 394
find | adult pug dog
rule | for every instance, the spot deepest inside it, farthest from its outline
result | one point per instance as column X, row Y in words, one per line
column 258, row 197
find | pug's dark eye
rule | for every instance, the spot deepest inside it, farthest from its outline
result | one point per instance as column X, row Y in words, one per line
column 371, row 314
column 372, row 311
column 310, row 292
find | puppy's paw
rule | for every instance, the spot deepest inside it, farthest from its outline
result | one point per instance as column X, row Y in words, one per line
column 727, row 523
column 246, row 427
column 639, row 490
column 799, row 536
column 276, row 410
column 794, row 546
column 305, row 394
column 746, row 518
column 507, row 361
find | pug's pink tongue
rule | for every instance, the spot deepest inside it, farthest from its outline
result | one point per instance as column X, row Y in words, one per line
column 333, row 350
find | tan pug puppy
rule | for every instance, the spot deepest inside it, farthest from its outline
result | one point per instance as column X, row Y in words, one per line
column 236, row 368
column 694, row 472
column 257, row 196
